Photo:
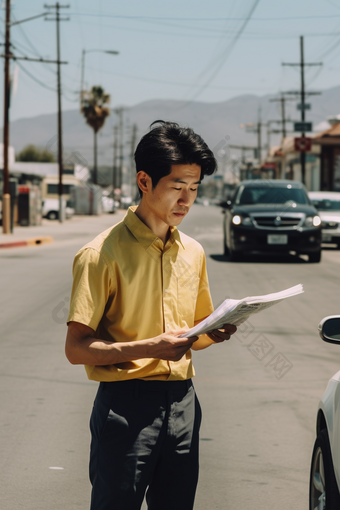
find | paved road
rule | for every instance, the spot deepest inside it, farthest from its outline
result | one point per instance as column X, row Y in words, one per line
column 258, row 424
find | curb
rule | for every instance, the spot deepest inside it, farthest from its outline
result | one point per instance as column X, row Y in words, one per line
column 35, row 241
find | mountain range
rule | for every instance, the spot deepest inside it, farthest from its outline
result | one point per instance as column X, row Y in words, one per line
column 214, row 121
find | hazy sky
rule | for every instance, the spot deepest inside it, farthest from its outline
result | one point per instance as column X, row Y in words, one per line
column 186, row 50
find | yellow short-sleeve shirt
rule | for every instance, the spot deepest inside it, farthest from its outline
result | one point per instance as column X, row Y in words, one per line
column 128, row 286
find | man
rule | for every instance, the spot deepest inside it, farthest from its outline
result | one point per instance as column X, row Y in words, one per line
column 137, row 287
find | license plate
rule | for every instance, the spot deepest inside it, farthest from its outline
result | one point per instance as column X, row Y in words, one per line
column 326, row 238
column 277, row 239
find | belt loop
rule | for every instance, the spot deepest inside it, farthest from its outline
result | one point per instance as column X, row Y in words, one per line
column 136, row 389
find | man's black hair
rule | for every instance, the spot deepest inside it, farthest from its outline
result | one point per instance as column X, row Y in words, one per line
column 169, row 144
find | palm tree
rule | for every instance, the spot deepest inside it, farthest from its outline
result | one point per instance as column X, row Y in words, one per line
column 95, row 111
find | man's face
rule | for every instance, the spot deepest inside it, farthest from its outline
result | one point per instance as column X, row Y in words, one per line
column 174, row 194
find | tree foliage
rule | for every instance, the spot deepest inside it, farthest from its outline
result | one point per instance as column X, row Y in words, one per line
column 31, row 153
column 95, row 108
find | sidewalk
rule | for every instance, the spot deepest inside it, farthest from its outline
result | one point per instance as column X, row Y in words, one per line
column 52, row 231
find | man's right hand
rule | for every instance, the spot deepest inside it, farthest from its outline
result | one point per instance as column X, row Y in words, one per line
column 168, row 346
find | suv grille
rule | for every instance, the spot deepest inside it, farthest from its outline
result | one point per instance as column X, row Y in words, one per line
column 276, row 221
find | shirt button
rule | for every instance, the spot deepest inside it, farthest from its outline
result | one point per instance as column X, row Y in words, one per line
column 166, row 290
column 169, row 326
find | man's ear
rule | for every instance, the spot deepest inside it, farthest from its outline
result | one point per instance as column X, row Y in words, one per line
column 144, row 182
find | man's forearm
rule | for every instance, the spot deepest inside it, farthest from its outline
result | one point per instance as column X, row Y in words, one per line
column 82, row 348
column 92, row 351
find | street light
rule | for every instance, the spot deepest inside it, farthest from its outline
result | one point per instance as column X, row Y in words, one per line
column 110, row 52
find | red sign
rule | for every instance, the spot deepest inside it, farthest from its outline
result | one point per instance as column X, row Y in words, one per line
column 269, row 165
column 23, row 189
column 302, row 144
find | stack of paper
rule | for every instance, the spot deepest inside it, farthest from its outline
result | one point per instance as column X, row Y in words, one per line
column 233, row 311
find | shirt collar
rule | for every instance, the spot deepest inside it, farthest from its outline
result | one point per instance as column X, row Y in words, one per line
column 142, row 232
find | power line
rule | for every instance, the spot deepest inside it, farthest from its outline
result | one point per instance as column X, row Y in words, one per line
column 228, row 50
column 216, row 31
column 167, row 82
column 160, row 18
column 79, row 25
column 31, row 45
column 46, row 66
column 35, row 78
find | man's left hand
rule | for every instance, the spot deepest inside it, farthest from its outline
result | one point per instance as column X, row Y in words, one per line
column 220, row 335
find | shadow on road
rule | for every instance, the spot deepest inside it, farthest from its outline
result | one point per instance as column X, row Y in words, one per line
column 263, row 258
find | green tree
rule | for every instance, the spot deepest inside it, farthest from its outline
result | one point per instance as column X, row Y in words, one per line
column 95, row 111
column 32, row 153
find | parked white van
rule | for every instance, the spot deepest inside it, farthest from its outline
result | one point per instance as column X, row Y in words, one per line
column 50, row 209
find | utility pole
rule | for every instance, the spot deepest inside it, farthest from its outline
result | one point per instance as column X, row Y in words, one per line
column 256, row 128
column 57, row 6
column 283, row 100
column 276, row 131
column 120, row 112
column 114, row 169
column 302, row 64
column 6, row 201
column 6, row 198
column 270, row 131
column 259, row 126
column 82, row 80
column 132, row 165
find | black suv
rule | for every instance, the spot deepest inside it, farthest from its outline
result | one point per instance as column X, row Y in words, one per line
column 271, row 216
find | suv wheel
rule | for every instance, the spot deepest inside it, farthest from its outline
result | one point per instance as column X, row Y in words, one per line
column 323, row 488
column 52, row 215
column 314, row 257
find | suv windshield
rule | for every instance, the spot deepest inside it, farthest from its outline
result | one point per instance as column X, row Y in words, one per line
column 326, row 204
column 271, row 195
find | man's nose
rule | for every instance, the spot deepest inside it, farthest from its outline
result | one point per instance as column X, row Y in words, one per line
column 184, row 198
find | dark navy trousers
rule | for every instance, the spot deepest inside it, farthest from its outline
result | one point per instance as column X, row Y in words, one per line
column 145, row 438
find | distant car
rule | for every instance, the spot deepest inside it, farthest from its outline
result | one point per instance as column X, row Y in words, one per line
column 69, row 210
column 125, row 202
column 325, row 466
column 50, row 208
column 271, row 216
column 109, row 205
column 328, row 205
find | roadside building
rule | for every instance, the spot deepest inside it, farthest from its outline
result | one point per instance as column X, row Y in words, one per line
column 285, row 163
column 329, row 144
column 73, row 175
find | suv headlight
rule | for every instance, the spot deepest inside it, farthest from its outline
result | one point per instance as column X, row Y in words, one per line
column 245, row 220
column 312, row 221
column 237, row 220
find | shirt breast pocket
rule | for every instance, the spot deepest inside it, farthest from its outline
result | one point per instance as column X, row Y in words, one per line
column 187, row 291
